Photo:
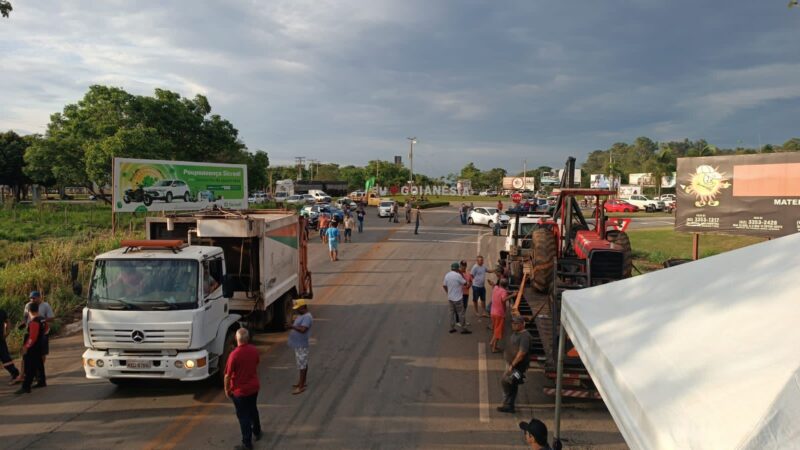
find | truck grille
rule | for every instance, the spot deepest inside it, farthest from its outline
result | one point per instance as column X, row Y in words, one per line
column 179, row 336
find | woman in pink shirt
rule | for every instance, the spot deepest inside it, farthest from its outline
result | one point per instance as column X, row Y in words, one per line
column 500, row 296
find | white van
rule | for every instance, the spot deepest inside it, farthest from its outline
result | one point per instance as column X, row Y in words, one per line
column 319, row 196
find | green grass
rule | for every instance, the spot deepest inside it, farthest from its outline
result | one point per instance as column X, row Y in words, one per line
column 640, row 214
column 651, row 247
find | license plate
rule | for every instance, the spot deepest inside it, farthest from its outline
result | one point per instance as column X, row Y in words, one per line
column 140, row 364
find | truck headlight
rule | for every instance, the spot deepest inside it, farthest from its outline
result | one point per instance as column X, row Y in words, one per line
column 179, row 364
column 189, row 364
column 100, row 363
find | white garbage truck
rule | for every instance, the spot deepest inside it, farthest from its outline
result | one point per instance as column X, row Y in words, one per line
column 168, row 307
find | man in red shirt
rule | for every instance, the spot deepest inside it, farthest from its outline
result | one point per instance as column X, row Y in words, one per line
column 33, row 350
column 241, row 386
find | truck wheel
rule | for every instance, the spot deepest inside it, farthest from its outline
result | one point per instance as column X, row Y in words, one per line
column 621, row 239
column 227, row 349
column 544, row 257
column 168, row 197
column 283, row 313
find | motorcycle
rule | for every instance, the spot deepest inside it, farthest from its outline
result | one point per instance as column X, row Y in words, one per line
column 138, row 195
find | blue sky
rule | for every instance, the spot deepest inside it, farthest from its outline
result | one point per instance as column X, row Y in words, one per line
column 492, row 82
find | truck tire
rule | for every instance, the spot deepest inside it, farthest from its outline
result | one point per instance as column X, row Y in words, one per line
column 283, row 313
column 621, row 239
column 227, row 349
column 544, row 258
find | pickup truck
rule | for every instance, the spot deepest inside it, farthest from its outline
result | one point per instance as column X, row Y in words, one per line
column 645, row 203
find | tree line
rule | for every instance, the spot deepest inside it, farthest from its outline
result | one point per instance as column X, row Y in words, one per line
column 80, row 142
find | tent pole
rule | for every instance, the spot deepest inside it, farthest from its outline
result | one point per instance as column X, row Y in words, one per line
column 559, row 374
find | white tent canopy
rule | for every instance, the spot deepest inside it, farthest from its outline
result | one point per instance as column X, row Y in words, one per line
column 705, row 355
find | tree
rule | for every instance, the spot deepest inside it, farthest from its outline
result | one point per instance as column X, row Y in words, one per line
column 493, row 178
column 82, row 140
column 12, row 151
column 471, row 173
column 5, row 8
column 792, row 145
column 257, row 167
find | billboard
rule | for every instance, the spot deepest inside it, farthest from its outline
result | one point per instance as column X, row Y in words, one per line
column 598, row 181
column 554, row 177
column 739, row 194
column 669, row 181
column 577, row 176
column 150, row 185
column 519, row 183
column 641, row 179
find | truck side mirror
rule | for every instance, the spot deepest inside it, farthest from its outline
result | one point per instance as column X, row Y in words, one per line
column 227, row 287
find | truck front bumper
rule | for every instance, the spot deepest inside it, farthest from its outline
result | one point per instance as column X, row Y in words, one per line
column 184, row 366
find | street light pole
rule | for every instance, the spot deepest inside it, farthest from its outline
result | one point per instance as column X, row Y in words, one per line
column 413, row 141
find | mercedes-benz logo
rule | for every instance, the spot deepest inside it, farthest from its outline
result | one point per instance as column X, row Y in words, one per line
column 137, row 336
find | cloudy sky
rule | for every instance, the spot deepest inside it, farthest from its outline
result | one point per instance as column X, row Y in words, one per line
column 493, row 82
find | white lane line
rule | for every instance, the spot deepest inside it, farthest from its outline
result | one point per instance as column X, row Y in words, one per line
column 426, row 241
column 483, row 384
column 480, row 238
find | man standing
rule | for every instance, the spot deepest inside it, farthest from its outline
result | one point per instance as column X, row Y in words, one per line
column 479, row 286
column 463, row 213
column 500, row 296
column 5, row 356
column 349, row 223
column 535, row 434
column 46, row 313
column 298, row 340
column 453, row 286
column 408, row 211
column 515, row 372
column 395, row 211
column 417, row 219
column 332, row 234
column 500, row 205
column 324, row 221
column 360, row 216
column 32, row 350
column 468, row 278
column 242, row 385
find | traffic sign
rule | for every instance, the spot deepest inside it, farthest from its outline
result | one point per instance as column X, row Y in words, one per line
column 516, row 197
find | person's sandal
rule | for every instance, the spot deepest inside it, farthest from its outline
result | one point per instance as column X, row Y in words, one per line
column 298, row 390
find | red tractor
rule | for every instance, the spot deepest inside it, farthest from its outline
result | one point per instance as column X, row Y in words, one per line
column 567, row 251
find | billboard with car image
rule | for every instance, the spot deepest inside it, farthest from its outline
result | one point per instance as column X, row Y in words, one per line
column 142, row 185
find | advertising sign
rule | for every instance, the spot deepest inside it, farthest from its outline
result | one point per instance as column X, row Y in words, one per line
column 519, row 183
column 598, row 181
column 739, row 194
column 577, row 176
column 551, row 178
column 150, row 185
column 626, row 190
column 641, row 179
column 669, row 181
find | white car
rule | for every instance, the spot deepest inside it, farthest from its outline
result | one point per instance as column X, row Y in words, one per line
column 645, row 203
column 308, row 199
column 169, row 190
column 281, row 196
column 385, row 208
column 486, row 216
column 258, row 197
column 294, row 200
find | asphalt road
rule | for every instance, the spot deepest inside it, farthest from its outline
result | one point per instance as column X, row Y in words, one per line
column 384, row 371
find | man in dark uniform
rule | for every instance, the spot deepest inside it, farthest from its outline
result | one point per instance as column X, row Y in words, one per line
column 32, row 351
column 515, row 373
column 5, row 357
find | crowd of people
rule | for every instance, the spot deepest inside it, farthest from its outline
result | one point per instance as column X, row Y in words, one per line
column 37, row 317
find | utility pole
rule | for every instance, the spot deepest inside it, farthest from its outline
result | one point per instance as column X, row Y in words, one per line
column 314, row 162
column 300, row 161
column 413, row 141
column 524, row 174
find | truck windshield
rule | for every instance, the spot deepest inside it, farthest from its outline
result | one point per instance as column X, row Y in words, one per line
column 144, row 284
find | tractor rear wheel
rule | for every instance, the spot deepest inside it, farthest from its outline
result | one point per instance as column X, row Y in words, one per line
column 544, row 259
column 621, row 239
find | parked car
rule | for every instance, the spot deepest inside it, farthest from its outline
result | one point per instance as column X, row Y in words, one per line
column 485, row 216
column 281, row 196
column 616, row 205
column 492, row 193
column 645, row 203
column 385, row 208
column 309, row 199
column 258, row 197
column 346, row 204
column 295, row 200
column 669, row 201
column 169, row 190
column 357, row 195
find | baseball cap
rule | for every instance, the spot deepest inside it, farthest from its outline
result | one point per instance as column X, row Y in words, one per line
column 299, row 304
column 537, row 429
column 454, row 266
column 35, row 294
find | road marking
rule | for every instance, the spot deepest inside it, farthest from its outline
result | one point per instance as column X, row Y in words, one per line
column 480, row 238
column 483, row 384
column 427, row 241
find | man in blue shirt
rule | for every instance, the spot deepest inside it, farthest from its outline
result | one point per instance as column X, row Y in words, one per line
column 332, row 234
column 298, row 340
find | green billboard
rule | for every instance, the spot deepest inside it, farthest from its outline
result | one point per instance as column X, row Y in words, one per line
column 150, row 185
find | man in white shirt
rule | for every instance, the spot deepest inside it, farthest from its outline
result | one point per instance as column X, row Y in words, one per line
column 453, row 286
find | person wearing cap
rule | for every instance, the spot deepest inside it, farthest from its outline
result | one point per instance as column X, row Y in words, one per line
column 298, row 340
column 453, row 286
column 32, row 351
column 47, row 315
column 242, row 386
column 515, row 372
column 535, row 434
